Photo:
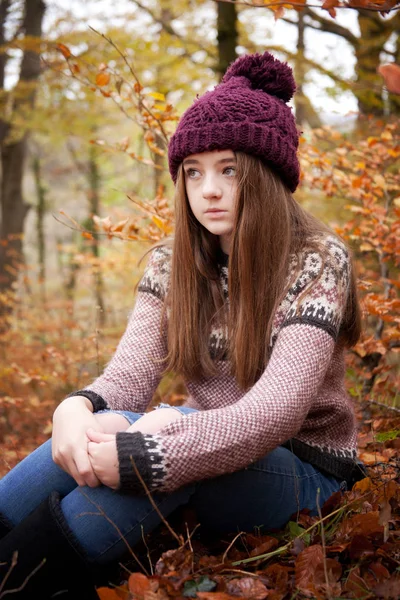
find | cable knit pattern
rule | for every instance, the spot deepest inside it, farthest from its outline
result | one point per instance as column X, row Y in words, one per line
column 300, row 400
column 246, row 112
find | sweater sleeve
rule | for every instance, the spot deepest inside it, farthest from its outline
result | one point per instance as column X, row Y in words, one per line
column 222, row 440
column 130, row 379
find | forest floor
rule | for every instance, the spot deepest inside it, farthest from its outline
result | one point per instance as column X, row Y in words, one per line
column 351, row 550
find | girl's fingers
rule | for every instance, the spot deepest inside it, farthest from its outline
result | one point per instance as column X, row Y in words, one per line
column 85, row 471
column 98, row 436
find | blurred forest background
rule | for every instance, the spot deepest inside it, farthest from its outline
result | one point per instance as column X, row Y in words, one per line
column 90, row 93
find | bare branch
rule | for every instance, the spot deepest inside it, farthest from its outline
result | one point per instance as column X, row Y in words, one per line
column 331, row 27
column 167, row 27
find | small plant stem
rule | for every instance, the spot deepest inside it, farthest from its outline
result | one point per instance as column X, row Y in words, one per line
column 154, row 505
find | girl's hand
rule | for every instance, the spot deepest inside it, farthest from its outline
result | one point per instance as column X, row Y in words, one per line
column 103, row 455
column 71, row 419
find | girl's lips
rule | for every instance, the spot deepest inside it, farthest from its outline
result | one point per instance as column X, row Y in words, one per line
column 215, row 214
column 215, row 211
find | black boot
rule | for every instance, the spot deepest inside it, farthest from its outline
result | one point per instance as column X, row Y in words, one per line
column 48, row 560
column 5, row 526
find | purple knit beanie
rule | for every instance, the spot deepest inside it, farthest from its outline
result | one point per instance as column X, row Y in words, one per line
column 246, row 112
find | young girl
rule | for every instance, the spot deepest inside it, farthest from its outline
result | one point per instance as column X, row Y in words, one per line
column 253, row 302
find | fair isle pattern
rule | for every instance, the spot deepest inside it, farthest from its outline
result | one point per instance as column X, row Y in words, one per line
column 307, row 301
column 155, row 279
column 299, row 401
column 148, row 456
column 322, row 301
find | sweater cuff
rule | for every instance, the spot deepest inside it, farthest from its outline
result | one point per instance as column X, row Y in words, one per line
column 98, row 402
column 146, row 452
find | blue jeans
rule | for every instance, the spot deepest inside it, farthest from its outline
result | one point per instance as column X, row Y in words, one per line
column 266, row 494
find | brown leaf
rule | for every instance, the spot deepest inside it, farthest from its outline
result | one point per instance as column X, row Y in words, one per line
column 356, row 585
column 328, row 572
column 179, row 559
column 389, row 589
column 247, row 587
column 268, row 544
column 379, row 571
column 277, row 577
column 215, row 596
column 360, row 548
column 306, row 564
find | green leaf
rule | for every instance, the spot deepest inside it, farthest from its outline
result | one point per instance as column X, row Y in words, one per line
column 387, row 435
column 295, row 531
column 203, row 584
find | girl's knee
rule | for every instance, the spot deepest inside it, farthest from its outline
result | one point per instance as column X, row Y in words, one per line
column 111, row 422
column 156, row 420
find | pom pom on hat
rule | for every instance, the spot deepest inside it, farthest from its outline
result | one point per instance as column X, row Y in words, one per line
column 264, row 72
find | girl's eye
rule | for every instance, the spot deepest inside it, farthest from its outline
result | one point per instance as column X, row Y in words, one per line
column 191, row 173
column 230, row 171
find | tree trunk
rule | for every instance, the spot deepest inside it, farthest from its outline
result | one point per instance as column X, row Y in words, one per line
column 305, row 112
column 14, row 211
column 227, row 36
column 13, row 208
column 94, row 200
column 374, row 33
column 4, row 6
column 40, row 213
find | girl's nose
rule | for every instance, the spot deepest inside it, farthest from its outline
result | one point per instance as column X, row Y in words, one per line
column 211, row 188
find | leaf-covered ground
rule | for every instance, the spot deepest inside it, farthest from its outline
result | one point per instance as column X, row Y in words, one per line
column 351, row 550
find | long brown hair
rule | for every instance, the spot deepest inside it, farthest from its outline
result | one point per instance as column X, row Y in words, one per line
column 269, row 227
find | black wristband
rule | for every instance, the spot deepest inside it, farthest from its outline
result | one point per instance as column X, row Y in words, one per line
column 97, row 401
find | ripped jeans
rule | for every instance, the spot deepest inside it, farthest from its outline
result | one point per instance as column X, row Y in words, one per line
column 265, row 495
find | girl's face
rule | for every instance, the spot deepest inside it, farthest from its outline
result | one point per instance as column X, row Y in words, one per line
column 211, row 184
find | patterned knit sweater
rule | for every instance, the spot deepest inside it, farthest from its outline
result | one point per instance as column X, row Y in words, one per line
column 299, row 401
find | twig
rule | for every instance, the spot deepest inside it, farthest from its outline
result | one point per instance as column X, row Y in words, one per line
column 384, row 405
column 240, row 571
column 21, row 587
column 148, row 551
column 141, row 103
column 230, row 545
column 323, row 544
column 154, row 505
column 189, row 542
column 102, row 513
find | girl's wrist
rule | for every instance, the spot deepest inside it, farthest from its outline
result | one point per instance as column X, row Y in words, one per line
column 77, row 401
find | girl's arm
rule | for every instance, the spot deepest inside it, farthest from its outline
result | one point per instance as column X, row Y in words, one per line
column 213, row 442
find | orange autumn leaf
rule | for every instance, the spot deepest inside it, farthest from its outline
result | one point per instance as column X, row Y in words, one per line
column 215, row 596
column 138, row 585
column 102, row 79
column 66, row 52
column 370, row 458
column 391, row 76
column 106, row 593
